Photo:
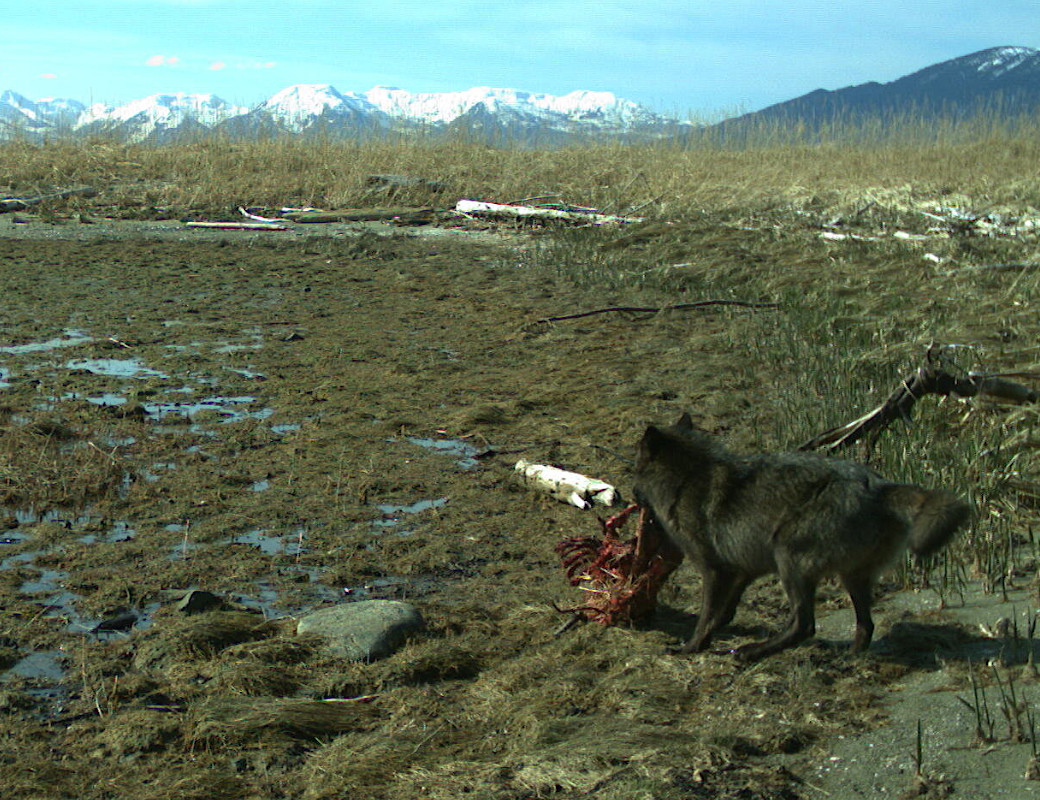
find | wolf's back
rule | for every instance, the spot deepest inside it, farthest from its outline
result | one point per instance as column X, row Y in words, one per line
column 933, row 516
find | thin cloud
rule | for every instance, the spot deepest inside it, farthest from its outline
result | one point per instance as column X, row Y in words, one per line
column 162, row 61
column 48, row 75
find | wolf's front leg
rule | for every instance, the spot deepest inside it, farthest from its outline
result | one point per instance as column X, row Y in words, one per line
column 721, row 591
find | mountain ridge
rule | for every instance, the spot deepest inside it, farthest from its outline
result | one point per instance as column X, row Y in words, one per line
column 1005, row 80
column 1000, row 80
column 307, row 108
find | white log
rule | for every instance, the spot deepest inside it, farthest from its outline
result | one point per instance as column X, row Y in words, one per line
column 834, row 236
column 482, row 209
column 911, row 237
column 570, row 487
column 247, row 226
column 256, row 218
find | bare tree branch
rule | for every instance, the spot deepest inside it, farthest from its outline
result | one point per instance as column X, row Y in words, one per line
column 930, row 378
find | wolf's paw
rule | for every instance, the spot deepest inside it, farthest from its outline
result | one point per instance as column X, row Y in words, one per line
column 750, row 652
column 685, row 648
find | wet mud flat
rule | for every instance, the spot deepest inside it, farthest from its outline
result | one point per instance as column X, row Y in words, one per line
column 291, row 425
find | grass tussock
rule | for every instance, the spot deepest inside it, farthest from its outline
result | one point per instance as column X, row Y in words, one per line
column 244, row 718
column 46, row 462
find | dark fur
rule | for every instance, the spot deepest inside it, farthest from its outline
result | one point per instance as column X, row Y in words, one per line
column 800, row 515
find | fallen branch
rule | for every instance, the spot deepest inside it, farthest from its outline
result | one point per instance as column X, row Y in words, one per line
column 247, row 226
column 930, row 378
column 257, row 218
column 416, row 215
column 656, row 309
column 477, row 208
column 22, row 203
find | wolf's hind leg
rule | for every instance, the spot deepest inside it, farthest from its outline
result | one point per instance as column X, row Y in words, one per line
column 861, row 589
column 801, row 593
column 721, row 592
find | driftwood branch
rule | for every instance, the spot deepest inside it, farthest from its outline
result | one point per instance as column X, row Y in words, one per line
column 656, row 309
column 22, row 203
column 477, row 208
column 930, row 378
column 239, row 226
column 408, row 214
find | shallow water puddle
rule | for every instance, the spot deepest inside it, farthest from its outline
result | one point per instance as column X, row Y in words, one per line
column 392, row 513
column 115, row 367
column 291, row 544
column 19, row 559
column 230, row 407
column 71, row 338
column 465, row 453
column 47, row 588
column 119, row 532
column 105, row 399
column 30, row 516
column 44, row 665
column 45, row 669
column 232, row 347
column 392, row 586
column 247, row 373
column 58, row 601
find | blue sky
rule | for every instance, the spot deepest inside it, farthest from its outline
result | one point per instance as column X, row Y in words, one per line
column 684, row 57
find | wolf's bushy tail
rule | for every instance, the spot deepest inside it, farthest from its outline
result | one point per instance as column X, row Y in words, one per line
column 933, row 516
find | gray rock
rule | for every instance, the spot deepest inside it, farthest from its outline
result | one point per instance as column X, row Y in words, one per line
column 196, row 601
column 365, row 630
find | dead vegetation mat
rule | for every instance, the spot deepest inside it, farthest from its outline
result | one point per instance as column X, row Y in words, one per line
column 276, row 442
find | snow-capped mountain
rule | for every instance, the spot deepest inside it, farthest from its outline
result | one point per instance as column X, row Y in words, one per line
column 445, row 107
column 159, row 117
column 19, row 114
column 314, row 108
column 297, row 104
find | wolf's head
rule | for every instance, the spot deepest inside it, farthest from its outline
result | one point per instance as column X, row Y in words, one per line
column 672, row 453
column 658, row 442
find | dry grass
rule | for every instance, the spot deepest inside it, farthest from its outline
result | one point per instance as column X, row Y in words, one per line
column 668, row 179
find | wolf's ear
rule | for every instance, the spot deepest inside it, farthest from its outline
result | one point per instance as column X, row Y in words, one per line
column 685, row 422
column 651, row 443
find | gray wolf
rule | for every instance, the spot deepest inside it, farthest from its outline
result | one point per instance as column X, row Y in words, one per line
column 800, row 515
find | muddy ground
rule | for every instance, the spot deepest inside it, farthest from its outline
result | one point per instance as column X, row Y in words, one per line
column 294, row 421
